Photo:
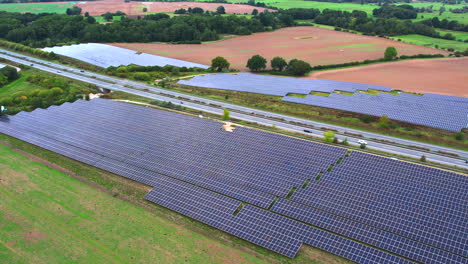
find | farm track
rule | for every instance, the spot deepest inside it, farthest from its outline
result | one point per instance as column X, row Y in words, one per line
column 379, row 142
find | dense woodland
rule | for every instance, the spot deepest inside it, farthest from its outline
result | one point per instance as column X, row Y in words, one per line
column 51, row 29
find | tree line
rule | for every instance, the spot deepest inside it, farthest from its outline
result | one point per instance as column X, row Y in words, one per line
column 51, row 29
column 258, row 63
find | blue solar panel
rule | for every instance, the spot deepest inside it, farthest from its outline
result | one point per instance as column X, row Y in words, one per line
column 279, row 86
column 444, row 112
column 382, row 209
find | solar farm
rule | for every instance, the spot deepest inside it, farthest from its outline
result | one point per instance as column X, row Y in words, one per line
column 105, row 56
column 432, row 110
column 275, row 191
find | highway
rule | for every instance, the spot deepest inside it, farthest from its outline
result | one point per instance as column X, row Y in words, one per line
column 392, row 145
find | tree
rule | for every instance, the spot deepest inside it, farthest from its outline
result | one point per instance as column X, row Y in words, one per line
column 73, row 11
column 108, row 16
column 10, row 72
column 255, row 12
column 226, row 114
column 298, row 67
column 220, row 10
column 196, row 10
column 329, row 135
column 86, row 14
column 362, row 146
column 256, row 63
column 219, row 63
column 145, row 9
column 423, row 158
column 384, row 121
column 390, row 53
column 278, row 63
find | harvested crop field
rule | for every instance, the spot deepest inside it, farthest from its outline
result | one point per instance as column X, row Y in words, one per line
column 96, row 8
column 316, row 45
column 442, row 76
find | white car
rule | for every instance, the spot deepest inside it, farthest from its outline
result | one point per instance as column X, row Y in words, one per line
column 362, row 142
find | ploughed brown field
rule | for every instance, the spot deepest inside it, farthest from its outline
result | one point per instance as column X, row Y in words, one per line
column 96, row 8
column 318, row 46
column 443, row 76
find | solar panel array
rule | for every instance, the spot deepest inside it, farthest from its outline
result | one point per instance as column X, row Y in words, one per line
column 367, row 209
column 271, row 85
column 103, row 55
column 444, row 112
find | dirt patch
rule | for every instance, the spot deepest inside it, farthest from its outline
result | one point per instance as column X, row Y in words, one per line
column 441, row 76
column 34, row 236
column 318, row 46
column 133, row 8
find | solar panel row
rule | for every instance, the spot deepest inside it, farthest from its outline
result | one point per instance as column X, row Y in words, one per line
column 376, row 205
column 259, row 226
column 270, row 85
column 391, row 199
column 103, row 55
column 449, row 113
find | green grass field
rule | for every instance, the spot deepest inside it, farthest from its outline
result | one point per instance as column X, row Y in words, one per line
column 47, row 216
column 432, row 42
column 36, row 8
column 100, row 19
column 458, row 34
column 285, row 4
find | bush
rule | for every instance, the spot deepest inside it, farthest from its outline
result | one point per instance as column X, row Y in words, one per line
column 367, row 119
column 329, row 135
column 226, row 114
column 362, row 146
column 345, row 142
column 459, row 136
column 423, row 158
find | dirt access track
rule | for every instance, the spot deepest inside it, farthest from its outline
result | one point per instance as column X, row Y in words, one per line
column 318, row 46
column 97, row 8
column 443, row 76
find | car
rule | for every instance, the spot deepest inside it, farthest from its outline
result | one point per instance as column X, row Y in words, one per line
column 81, row 71
column 59, row 72
column 362, row 142
column 31, row 64
column 393, row 158
column 307, row 131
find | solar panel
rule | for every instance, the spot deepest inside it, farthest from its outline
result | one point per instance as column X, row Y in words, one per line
column 444, row 112
column 103, row 55
column 367, row 209
column 271, row 85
